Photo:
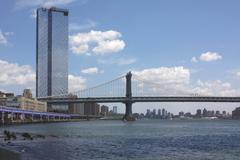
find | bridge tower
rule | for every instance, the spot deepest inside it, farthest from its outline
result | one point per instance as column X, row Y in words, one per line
column 128, row 112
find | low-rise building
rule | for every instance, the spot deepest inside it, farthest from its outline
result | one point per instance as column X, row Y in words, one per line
column 27, row 93
column 104, row 110
column 27, row 104
column 114, row 109
column 91, row 109
column 76, row 108
column 4, row 97
column 236, row 113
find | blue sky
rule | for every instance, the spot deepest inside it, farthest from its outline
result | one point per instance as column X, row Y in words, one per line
column 192, row 46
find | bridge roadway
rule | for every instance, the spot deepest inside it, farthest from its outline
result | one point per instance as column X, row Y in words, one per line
column 142, row 99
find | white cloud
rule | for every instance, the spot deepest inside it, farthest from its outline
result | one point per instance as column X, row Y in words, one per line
column 92, row 70
column 237, row 73
column 98, row 42
column 210, row 56
column 194, row 59
column 15, row 74
column 215, row 88
column 78, row 27
column 176, row 81
column 3, row 37
column 80, row 49
column 76, row 83
column 165, row 75
column 120, row 61
column 15, row 77
column 41, row 3
column 207, row 57
column 109, row 47
column 33, row 13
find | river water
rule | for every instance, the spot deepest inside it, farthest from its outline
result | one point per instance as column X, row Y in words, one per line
column 140, row 140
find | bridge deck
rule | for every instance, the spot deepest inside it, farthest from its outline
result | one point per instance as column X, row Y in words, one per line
column 142, row 99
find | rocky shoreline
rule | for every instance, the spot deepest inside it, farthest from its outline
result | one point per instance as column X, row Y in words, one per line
column 8, row 140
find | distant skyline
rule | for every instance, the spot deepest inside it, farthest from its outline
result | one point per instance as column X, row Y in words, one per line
column 184, row 45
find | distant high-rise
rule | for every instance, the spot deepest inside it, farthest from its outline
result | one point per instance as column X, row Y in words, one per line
column 199, row 113
column 115, row 109
column 154, row 112
column 104, row 110
column 204, row 112
column 159, row 113
column 52, row 52
column 163, row 113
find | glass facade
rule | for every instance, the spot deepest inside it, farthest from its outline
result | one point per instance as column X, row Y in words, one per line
column 52, row 52
column 42, row 53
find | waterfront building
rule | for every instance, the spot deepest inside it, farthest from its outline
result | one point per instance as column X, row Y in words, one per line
column 52, row 54
column 224, row 113
column 104, row 110
column 154, row 113
column 27, row 93
column 236, row 113
column 204, row 112
column 91, row 109
column 169, row 115
column 114, row 109
column 76, row 108
column 27, row 104
column 199, row 113
column 159, row 113
column 148, row 113
column 181, row 114
column 163, row 113
column 4, row 97
column 97, row 109
column 188, row 114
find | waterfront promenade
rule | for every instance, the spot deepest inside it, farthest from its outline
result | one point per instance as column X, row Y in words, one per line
column 10, row 115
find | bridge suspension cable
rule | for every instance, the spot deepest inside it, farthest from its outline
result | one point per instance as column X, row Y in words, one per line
column 113, row 88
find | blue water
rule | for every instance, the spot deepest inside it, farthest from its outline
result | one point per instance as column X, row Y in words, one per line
column 140, row 140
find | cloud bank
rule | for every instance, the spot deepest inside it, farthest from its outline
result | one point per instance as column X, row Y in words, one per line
column 97, row 42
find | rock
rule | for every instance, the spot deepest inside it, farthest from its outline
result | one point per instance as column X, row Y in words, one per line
column 13, row 135
column 27, row 136
column 9, row 135
column 40, row 136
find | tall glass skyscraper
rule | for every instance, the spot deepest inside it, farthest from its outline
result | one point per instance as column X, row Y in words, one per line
column 52, row 52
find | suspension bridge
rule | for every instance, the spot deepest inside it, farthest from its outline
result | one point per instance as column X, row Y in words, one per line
column 129, row 89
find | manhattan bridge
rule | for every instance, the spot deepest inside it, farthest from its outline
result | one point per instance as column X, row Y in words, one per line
column 129, row 89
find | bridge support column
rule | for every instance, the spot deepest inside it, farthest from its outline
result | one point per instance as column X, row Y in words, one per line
column 128, row 112
column 128, row 108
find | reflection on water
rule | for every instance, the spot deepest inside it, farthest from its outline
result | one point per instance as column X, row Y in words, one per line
column 148, row 139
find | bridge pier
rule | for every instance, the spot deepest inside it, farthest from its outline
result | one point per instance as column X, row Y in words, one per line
column 128, row 112
column 128, row 108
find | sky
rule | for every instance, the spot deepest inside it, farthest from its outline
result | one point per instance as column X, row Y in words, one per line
column 185, row 46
